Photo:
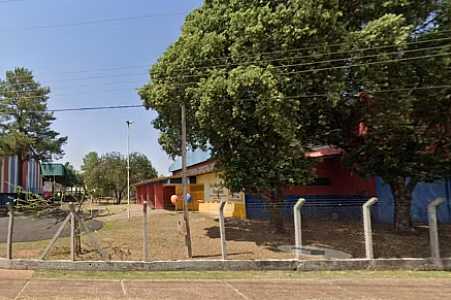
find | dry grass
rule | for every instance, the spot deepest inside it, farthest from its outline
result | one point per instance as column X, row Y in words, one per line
column 123, row 239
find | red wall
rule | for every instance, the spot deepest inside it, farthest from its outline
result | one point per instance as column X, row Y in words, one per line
column 152, row 193
column 342, row 182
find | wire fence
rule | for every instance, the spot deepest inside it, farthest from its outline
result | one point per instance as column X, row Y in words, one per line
column 102, row 232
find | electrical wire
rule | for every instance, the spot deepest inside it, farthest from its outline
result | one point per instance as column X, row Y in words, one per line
column 95, row 108
column 346, row 59
column 95, row 22
column 248, row 99
column 310, row 96
column 355, row 50
column 333, row 68
column 283, row 66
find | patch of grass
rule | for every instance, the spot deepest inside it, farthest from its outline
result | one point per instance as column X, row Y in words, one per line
column 243, row 275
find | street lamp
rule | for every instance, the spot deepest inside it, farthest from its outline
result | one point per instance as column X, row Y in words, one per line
column 129, row 123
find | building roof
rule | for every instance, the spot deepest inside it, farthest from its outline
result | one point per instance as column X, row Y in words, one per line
column 192, row 158
column 52, row 170
column 323, row 151
column 199, row 156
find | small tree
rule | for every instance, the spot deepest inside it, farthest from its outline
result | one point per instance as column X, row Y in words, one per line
column 25, row 126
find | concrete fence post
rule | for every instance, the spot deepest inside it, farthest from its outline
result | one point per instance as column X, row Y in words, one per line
column 9, row 238
column 72, row 231
column 222, row 230
column 297, row 226
column 369, row 250
column 433, row 228
column 145, row 232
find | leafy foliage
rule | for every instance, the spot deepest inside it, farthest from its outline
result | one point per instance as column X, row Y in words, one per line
column 72, row 177
column 25, row 127
column 263, row 81
column 106, row 175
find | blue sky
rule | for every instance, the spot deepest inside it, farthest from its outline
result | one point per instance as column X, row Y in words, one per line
column 93, row 64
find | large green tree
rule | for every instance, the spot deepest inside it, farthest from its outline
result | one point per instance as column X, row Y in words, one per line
column 403, row 108
column 25, row 127
column 263, row 81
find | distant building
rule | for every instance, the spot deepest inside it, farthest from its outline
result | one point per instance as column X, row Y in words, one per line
column 336, row 193
column 53, row 175
column 9, row 177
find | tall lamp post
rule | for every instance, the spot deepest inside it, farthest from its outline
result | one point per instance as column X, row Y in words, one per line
column 129, row 123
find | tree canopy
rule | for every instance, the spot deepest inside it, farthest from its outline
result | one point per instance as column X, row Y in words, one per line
column 25, row 126
column 25, row 123
column 106, row 175
column 264, row 81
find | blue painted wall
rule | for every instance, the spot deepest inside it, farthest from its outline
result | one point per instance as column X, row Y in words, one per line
column 423, row 194
column 349, row 207
column 324, row 206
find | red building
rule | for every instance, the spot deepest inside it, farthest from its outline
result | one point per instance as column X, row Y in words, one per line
column 334, row 183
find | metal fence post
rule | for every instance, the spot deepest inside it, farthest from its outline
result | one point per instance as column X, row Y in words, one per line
column 9, row 239
column 297, row 226
column 369, row 250
column 433, row 228
column 146, row 232
column 222, row 230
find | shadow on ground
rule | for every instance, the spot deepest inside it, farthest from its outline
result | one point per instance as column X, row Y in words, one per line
column 259, row 232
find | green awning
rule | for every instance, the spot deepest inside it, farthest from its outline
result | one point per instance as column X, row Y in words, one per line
column 52, row 170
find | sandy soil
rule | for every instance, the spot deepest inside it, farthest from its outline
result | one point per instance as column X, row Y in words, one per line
column 123, row 239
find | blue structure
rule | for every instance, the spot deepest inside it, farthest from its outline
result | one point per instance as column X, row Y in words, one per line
column 423, row 194
column 350, row 207
column 326, row 206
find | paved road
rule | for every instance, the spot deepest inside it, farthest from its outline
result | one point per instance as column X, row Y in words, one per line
column 23, row 286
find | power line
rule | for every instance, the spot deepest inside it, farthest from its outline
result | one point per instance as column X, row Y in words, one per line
column 355, row 50
column 337, row 45
column 284, row 65
column 95, row 108
column 94, row 22
column 346, row 59
column 336, row 67
column 76, row 109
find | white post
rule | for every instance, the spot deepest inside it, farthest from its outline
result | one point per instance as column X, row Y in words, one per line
column 222, row 230
column 128, row 169
column 366, row 208
column 433, row 228
column 297, row 227
column 72, row 231
column 9, row 238
column 146, row 232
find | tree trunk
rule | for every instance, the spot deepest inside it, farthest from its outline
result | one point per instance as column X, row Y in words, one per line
column 402, row 194
column 276, row 215
column 77, row 236
column 118, row 197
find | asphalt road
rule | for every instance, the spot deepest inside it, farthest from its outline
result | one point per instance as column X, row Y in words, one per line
column 22, row 286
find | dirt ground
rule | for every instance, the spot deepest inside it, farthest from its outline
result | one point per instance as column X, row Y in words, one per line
column 123, row 239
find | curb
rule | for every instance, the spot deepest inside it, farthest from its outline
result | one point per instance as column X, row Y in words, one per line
column 231, row 265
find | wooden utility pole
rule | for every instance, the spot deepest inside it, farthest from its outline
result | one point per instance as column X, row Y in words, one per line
column 185, row 186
